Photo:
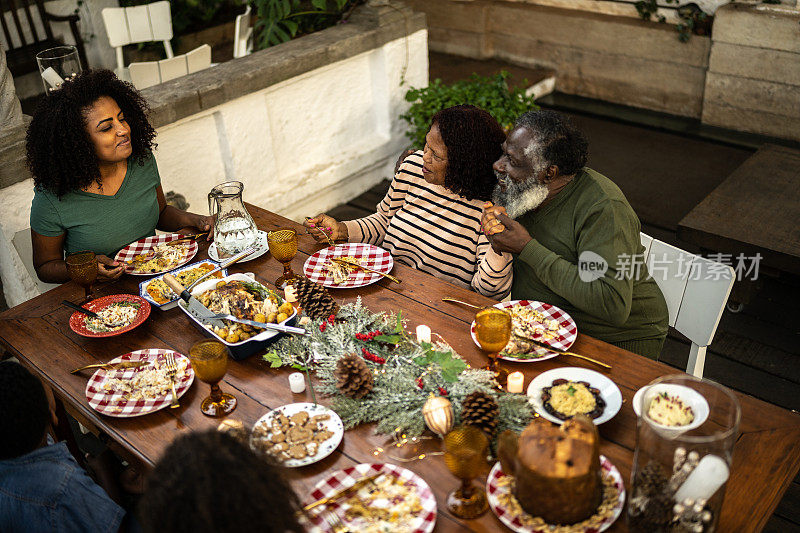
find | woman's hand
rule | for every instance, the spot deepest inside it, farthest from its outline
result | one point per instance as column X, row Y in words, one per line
column 108, row 269
column 489, row 222
column 322, row 222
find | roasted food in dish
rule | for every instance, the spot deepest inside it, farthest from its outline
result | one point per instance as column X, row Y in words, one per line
column 242, row 299
column 161, row 294
column 527, row 322
column 161, row 258
column 340, row 271
column 113, row 317
column 670, row 411
column 293, row 437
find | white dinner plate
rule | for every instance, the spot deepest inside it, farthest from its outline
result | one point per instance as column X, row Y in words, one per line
column 261, row 245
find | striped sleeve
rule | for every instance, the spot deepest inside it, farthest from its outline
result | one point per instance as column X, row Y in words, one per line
column 494, row 275
column 372, row 229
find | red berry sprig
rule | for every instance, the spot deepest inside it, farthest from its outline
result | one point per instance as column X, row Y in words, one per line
column 331, row 319
column 420, row 383
column 369, row 356
column 322, row 326
column 442, row 391
column 367, row 337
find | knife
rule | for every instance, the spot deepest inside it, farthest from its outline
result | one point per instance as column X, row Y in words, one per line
column 562, row 352
column 112, row 366
column 193, row 305
column 277, row 327
column 347, row 490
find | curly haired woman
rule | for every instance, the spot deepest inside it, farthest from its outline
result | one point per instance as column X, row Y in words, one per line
column 431, row 217
column 97, row 185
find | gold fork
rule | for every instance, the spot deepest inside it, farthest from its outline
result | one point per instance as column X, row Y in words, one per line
column 448, row 299
column 336, row 523
column 356, row 265
column 322, row 230
column 172, row 368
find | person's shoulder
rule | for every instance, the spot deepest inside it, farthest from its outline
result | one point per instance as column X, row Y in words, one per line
column 596, row 188
column 412, row 164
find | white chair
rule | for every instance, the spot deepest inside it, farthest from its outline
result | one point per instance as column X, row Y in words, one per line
column 148, row 73
column 138, row 24
column 243, row 35
column 696, row 290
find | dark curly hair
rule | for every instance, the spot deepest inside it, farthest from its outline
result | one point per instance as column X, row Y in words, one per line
column 209, row 481
column 562, row 143
column 24, row 412
column 60, row 154
column 473, row 138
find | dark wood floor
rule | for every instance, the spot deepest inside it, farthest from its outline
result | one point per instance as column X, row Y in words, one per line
column 664, row 175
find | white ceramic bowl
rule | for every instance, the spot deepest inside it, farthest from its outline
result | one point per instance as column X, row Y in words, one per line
column 687, row 395
column 608, row 390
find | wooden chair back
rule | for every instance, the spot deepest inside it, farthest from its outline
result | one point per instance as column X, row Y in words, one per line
column 243, row 35
column 138, row 24
column 148, row 73
column 696, row 290
column 25, row 31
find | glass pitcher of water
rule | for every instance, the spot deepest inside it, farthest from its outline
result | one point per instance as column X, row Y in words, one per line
column 234, row 229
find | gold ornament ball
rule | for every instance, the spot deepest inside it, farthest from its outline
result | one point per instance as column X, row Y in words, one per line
column 438, row 414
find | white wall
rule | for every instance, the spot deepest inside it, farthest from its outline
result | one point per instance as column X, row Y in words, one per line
column 300, row 147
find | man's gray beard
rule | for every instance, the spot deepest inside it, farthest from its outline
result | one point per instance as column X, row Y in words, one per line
column 519, row 198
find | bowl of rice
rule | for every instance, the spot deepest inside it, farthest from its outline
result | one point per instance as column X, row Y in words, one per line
column 672, row 409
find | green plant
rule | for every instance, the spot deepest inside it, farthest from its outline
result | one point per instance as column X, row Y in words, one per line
column 490, row 93
column 282, row 20
column 692, row 19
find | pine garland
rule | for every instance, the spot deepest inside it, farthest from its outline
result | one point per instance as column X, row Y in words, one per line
column 399, row 364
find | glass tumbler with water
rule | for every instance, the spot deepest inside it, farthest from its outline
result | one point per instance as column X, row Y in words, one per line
column 234, row 230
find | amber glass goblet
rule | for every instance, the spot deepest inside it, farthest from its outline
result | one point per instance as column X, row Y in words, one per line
column 493, row 331
column 283, row 247
column 465, row 456
column 82, row 268
column 210, row 362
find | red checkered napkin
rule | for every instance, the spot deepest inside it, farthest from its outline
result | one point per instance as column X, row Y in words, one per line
column 494, row 490
column 564, row 338
column 372, row 256
column 345, row 478
column 146, row 245
column 113, row 404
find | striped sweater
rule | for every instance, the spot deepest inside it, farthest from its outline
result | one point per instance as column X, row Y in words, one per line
column 436, row 231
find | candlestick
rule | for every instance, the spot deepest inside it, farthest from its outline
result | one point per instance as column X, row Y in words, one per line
column 297, row 382
column 423, row 333
column 515, row 382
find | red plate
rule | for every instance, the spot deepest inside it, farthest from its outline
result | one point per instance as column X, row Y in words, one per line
column 113, row 403
column 494, row 489
column 77, row 322
column 422, row 523
column 374, row 257
column 146, row 245
column 565, row 336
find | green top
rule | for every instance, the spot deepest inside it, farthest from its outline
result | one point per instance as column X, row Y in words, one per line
column 591, row 216
column 97, row 222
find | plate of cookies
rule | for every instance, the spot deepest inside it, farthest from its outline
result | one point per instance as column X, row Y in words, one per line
column 297, row 434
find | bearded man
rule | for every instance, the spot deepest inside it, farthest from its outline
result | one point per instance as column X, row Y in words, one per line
column 573, row 235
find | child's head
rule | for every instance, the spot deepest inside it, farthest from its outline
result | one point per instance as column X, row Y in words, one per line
column 24, row 411
column 209, row 481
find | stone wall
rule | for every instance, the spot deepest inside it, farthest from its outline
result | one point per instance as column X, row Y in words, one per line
column 753, row 80
column 614, row 58
column 306, row 125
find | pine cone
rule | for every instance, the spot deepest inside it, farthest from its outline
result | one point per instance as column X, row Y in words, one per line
column 353, row 376
column 315, row 299
column 480, row 410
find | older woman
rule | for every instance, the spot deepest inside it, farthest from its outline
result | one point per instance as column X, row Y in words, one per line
column 97, row 185
column 431, row 217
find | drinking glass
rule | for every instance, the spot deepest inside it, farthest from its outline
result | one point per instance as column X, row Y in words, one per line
column 56, row 65
column 82, row 268
column 210, row 362
column 679, row 473
column 283, row 247
column 465, row 456
column 493, row 331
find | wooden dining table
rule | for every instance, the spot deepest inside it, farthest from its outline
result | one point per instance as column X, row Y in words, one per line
column 766, row 456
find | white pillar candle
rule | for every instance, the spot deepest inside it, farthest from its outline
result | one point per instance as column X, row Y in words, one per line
column 708, row 476
column 515, row 382
column 297, row 382
column 52, row 77
column 423, row 333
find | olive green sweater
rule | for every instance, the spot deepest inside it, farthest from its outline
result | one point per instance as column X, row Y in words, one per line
column 591, row 215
